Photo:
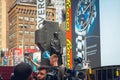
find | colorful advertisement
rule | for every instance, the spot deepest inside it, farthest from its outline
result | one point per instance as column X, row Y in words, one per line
column 18, row 56
column 86, row 31
column 68, row 34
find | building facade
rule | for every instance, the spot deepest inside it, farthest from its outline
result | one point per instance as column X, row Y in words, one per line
column 2, row 24
column 51, row 13
column 22, row 25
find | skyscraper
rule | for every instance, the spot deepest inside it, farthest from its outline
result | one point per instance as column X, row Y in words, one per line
column 22, row 24
column 2, row 24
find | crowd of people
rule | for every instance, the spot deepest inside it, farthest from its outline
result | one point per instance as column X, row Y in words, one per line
column 24, row 71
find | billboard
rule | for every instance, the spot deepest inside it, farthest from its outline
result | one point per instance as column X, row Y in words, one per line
column 18, row 56
column 86, row 31
column 41, row 13
column 68, row 34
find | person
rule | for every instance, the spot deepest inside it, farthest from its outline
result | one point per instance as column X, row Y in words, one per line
column 42, row 71
column 23, row 71
column 55, row 46
column 31, row 60
column 54, row 60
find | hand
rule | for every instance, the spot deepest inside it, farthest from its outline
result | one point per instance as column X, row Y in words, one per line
column 29, row 58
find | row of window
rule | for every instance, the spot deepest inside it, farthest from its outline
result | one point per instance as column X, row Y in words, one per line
column 26, row 25
column 31, row 19
column 21, row 18
column 27, row 33
column 25, row 47
column 25, row 11
column 26, row 40
column 23, row 33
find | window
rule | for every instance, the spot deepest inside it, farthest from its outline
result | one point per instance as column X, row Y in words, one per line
column 20, row 25
column 32, row 33
column 26, row 40
column 25, row 25
column 26, row 47
column 32, row 19
column 26, row 18
column 20, row 18
column 20, row 46
column 20, row 40
column 32, row 40
column 32, row 47
column 31, row 26
column 26, row 32
column 20, row 32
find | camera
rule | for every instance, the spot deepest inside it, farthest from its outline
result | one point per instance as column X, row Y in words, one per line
column 63, row 73
column 53, row 74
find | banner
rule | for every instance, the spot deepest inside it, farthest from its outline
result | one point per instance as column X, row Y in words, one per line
column 41, row 13
column 18, row 56
column 68, row 34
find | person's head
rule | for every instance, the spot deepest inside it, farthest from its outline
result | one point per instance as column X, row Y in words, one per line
column 55, row 34
column 54, row 60
column 22, row 71
column 42, row 71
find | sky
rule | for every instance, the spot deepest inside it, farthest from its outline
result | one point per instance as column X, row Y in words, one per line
column 110, row 32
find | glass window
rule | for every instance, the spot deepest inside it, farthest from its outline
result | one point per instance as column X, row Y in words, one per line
column 25, row 25
column 32, row 47
column 32, row 40
column 32, row 33
column 20, row 40
column 20, row 32
column 26, row 18
column 20, row 25
column 20, row 46
column 32, row 19
column 31, row 26
column 26, row 47
column 26, row 40
column 26, row 32
column 20, row 18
